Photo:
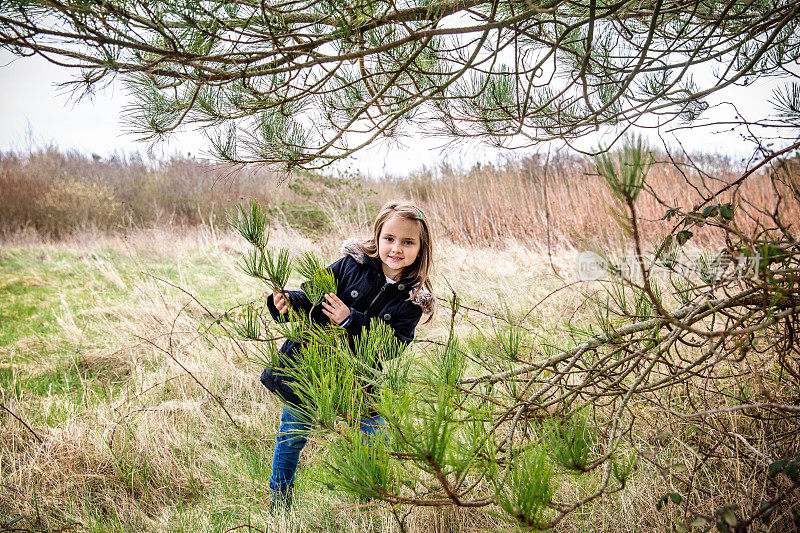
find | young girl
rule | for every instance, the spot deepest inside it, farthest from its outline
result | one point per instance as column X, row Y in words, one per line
column 384, row 277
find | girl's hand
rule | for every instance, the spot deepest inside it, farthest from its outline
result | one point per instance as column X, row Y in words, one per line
column 334, row 308
column 281, row 303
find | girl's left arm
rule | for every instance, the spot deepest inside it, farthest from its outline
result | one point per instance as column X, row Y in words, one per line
column 403, row 323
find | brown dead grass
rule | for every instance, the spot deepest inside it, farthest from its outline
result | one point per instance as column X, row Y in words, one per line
column 160, row 450
column 557, row 202
column 161, row 443
column 563, row 202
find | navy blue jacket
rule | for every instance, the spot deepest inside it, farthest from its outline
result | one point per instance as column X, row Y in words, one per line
column 362, row 286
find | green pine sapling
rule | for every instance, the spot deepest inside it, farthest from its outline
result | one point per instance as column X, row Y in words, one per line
column 319, row 281
column 273, row 268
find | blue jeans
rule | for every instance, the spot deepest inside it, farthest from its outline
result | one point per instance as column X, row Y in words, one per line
column 292, row 439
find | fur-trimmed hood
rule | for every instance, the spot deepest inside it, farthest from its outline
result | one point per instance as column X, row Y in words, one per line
column 351, row 248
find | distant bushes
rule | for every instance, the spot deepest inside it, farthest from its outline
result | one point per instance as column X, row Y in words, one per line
column 58, row 207
column 559, row 200
column 57, row 193
column 71, row 204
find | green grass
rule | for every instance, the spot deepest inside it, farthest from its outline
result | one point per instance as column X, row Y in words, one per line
column 43, row 295
column 74, row 366
column 37, row 283
column 23, row 309
column 40, row 286
column 66, row 317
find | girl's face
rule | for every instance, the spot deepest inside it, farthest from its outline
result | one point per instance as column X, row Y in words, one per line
column 398, row 245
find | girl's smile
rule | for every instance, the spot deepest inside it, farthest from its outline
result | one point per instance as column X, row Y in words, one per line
column 398, row 245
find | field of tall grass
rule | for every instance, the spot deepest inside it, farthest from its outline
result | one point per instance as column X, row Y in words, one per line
column 126, row 408
column 121, row 379
column 558, row 201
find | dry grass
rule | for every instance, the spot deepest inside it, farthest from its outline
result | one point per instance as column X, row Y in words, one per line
column 563, row 202
column 131, row 441
column 560, row 202
column 108, row 365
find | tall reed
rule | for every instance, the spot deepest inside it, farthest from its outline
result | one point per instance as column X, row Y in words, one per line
column 563, row 201
column 539, row 201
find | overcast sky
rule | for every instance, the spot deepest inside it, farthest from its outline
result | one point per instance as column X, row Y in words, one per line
column 36, row 112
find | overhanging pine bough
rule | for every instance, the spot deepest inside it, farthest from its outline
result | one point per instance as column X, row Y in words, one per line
column 306, row 83
column 499, row 420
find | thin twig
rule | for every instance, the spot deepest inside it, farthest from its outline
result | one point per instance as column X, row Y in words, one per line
column 213, row 396
column 21, row 421
column 700, row 414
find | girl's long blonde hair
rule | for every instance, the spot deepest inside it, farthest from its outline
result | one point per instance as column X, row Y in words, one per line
column 421, row 267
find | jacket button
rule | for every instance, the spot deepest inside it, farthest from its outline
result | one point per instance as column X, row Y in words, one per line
column 387, row 317
column 401, row 287
column 354, row 294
